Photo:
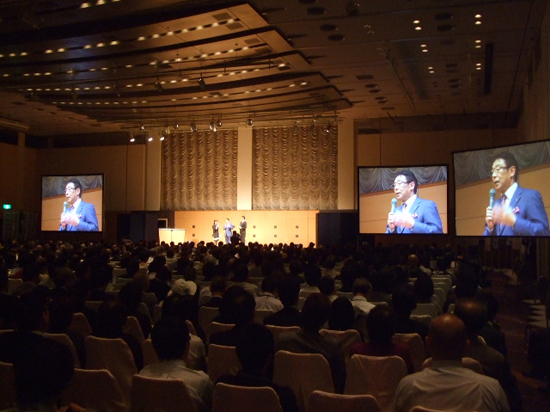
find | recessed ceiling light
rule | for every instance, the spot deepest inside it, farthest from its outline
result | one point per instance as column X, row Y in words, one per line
column 418, row 28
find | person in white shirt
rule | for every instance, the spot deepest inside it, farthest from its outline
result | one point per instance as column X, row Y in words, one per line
column 361, row 290
column 446, row 385
column 269, row 300
column 170, row 338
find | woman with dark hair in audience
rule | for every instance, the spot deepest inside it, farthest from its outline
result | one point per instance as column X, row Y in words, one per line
column 130, row 296
column 111, row 317
column 381, row 328
column 61, row 316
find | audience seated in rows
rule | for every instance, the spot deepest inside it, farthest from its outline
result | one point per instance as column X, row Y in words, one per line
column 381, row 327
column 308, row 340
column 446, row 385
column 255, row 350
column 170, row 338
column 289, row 290
column 268, row 299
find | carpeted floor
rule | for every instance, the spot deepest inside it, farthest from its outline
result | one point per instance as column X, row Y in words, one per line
column 512, row 318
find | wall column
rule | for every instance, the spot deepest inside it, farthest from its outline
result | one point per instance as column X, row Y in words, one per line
column 153, row 175
column 244, row 169
column 346, row 165
column 21, row 173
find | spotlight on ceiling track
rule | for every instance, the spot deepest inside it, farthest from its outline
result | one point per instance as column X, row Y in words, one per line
column 177, row 126
column 219, row 122
column 213, row 126
column 250, row 122
column 159, row 86
column 150, row 139
column 352, row 8
column 141, row 128
column 326, row 128
column 193, row 127
column 201, row 82
column 132, row 138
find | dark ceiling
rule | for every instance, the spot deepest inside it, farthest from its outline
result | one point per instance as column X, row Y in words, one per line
column 71, row 67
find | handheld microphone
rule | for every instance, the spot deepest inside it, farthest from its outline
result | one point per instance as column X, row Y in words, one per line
column 491, row 198
column 65, row 207
column 393, row 204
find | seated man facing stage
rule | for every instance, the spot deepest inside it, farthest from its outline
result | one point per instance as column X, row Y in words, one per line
column 446, row 384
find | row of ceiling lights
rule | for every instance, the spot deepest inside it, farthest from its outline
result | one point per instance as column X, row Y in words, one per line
column 214, row 125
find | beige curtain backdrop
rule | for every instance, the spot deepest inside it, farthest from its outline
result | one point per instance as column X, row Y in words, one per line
column 295, row 168
column 199, row 171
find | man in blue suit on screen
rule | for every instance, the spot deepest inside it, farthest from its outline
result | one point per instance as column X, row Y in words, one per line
column 519, row 211
column 77, row 216
column 414, row 215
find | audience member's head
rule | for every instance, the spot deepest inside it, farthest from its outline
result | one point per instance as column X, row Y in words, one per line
column 446, row 339
column 270, row 285
column 237, row 306
column 183, row 287
column 170, row 338
column 42, row 373
column 327, row 286
column 289, row 291
column 255, row 348
column 473, row 313
column 181, row 306
column 111, row 317
column 32, row 312
column 315, row 312
column 130, row 296
column 380, row 323
column 313, row 274
column 403, row 301
column 342, row 315
column 218, row 285
column 423, row 288
column 361, row 287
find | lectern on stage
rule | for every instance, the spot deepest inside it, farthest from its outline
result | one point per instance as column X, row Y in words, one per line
column 172, row 235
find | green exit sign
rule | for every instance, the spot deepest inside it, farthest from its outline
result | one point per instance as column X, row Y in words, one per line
column 6, row 207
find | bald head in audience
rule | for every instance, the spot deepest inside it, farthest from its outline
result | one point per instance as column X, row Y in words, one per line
column 447, row 338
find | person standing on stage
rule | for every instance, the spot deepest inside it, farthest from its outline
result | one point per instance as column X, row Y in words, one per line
column 216, row 231
column 243, row 230
column 228, row 228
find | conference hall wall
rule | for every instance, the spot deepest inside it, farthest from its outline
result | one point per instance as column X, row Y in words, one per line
column 264, row 226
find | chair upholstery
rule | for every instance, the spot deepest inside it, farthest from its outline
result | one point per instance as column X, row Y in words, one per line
column 133, row 328
column 191, row 327
column 469, row 363
column 160, row 395
column 215, row 327
column 422, row 409
column 231, row 398
column 206, row 314
column 320, row 401
column 345, row 338
column 222, row 360
column 376, row 376
column 80, row 325
column 95, row 390
column 429, row 309
column 261, row 314
column 8, row 392
column 65, row 340
column 149, row 353
column 115, row 356
column 416, row 347
column 13, row 284
column 279, row 330
column 93, row 304
column 303, row 373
